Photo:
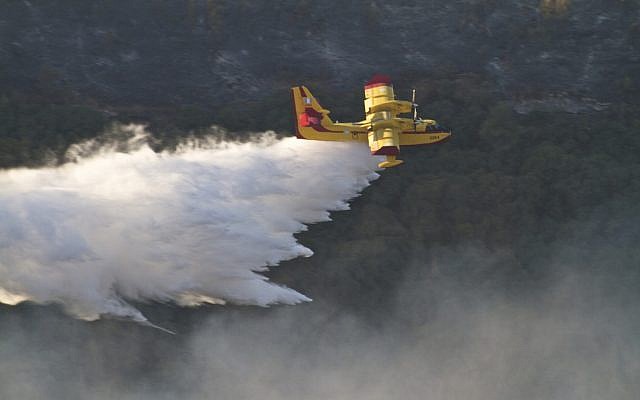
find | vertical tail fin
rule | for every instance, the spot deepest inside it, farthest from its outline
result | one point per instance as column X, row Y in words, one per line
column 308, row 112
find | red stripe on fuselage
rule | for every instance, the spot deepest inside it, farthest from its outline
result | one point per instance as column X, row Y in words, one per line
column 386, row 151
column 422, row 133
column 318, row 128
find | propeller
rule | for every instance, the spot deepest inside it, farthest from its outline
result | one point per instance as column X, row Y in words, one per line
column 415, row 109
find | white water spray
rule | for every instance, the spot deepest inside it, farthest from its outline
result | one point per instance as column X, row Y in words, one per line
column 193, row 226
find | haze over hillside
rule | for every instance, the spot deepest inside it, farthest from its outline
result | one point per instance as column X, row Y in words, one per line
column 503, row 264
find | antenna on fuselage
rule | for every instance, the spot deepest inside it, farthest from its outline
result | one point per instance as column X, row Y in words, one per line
column 415, row 109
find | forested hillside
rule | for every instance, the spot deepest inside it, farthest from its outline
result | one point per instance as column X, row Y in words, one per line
column 538, row 142
column 502, row 264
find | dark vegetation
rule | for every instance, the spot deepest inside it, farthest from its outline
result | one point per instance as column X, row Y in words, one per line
column 476, row 219
column 509, row 183
column 36, row 130
column 502, row 174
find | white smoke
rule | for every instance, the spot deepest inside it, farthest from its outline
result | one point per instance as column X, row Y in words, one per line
column 192, row 226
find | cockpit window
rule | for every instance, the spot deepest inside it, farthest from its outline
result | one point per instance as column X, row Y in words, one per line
column 436, row 128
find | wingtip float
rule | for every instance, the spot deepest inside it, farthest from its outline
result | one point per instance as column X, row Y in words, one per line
column 382, row 129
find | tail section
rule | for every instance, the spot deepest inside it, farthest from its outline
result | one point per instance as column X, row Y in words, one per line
column 311, row 118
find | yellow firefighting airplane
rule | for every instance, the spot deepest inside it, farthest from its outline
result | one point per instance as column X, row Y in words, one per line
column 381, row 128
